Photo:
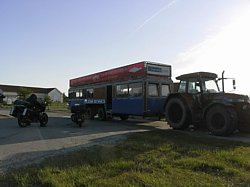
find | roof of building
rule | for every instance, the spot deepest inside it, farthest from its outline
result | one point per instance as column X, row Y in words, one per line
column 12, row 88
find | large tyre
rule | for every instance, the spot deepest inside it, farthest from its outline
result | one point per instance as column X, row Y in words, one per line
column 101, row 114
column 234, row 120
column 221, row 120
column 43, row 119
column 177, row 114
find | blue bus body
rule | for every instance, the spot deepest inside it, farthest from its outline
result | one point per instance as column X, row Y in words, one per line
column 139, row 89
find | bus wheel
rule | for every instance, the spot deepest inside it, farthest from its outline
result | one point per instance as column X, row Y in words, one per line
column 124, row 117
column 101, row 114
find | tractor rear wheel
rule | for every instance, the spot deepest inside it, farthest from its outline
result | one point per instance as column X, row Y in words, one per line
column 177, row 114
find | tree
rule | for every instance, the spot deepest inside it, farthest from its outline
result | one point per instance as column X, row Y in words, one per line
column 48, row 101
column 23, row 93
column 65, row 98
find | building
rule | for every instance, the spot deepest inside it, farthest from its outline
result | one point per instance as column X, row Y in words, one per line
column 10, row 93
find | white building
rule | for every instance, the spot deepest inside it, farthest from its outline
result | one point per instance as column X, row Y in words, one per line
column 10, row 93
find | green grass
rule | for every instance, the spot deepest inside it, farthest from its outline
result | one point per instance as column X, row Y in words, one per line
column 56, row 106
column 157, row 158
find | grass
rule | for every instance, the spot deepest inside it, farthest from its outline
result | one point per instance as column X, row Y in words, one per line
column 57, row 106
column 156, row 158
column 54, row 106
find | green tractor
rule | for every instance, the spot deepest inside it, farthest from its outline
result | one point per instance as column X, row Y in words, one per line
column 200, row 102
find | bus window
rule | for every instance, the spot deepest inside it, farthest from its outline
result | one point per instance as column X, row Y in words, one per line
column 72, row 95
column 153, row 89
column 78, row 94
column 90, row 93
column 122, row 90
column 164, row 90
column 135, row 89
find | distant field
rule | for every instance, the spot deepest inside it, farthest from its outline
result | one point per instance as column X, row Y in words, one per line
column 156, row 158
column 56, row 106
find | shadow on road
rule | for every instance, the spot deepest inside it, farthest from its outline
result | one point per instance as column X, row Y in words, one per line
column 59, row 127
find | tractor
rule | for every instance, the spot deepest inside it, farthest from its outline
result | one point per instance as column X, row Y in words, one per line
column 199, row 102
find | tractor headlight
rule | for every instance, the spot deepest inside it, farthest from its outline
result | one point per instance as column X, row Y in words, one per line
column 246, row 106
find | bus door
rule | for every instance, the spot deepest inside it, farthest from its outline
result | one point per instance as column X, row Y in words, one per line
column 157, row 93
column 109, row 96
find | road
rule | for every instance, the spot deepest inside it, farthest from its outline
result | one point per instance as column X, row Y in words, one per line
column 21, row 146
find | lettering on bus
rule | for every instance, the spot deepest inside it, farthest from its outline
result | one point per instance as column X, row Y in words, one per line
column 159, row 70
column 94, row 101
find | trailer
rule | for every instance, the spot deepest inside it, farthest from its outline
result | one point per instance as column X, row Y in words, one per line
column 138, row 89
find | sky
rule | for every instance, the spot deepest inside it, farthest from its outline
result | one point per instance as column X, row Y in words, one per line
column 45, row 43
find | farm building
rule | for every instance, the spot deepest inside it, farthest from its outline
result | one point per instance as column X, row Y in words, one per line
column 10, row 93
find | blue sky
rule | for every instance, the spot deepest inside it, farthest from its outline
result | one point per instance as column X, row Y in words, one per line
column 47, row 42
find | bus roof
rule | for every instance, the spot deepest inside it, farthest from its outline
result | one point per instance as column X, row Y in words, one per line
column 132, row 71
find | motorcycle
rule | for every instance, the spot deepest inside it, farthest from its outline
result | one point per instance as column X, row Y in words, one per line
column 29, row 112
column 78, row 114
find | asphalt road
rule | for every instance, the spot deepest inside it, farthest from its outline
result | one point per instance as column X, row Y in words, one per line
column 21, row 146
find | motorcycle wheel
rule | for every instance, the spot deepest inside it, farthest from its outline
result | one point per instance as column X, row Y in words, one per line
column 22, row 122
column 80, row 119
column 43, row 119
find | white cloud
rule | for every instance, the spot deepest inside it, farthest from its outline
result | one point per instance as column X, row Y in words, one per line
column 228, row 49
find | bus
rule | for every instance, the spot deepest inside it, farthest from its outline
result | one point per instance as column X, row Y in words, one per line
column 138, row 89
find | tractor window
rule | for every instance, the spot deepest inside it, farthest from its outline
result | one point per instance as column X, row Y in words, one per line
column 194, row 87
column 182, row 87
column 210, row 86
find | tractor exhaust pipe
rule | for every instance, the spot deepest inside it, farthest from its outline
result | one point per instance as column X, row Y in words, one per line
column 223, row 86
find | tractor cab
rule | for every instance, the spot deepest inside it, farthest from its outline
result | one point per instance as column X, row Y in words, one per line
column 200, row 82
